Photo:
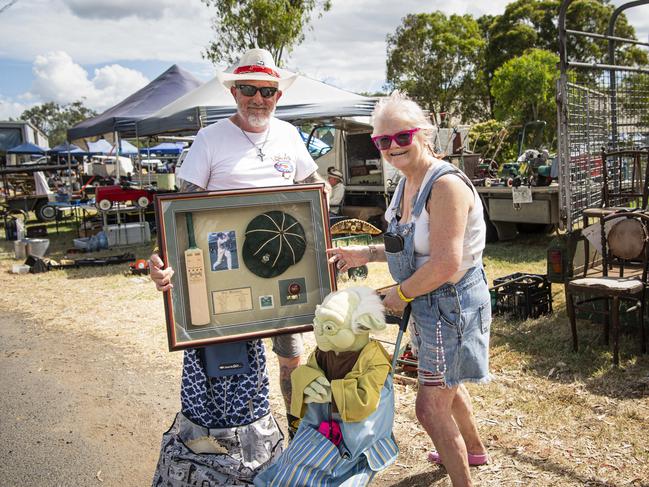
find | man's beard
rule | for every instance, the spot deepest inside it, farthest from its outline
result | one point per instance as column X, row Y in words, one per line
column 257, row 120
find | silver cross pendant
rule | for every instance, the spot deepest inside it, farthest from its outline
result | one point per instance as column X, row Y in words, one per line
column 260, row 154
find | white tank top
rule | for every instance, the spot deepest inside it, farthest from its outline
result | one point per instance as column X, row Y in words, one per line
column 474, row 234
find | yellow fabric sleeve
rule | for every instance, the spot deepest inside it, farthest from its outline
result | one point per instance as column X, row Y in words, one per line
column 301, row 377
column 357, row 394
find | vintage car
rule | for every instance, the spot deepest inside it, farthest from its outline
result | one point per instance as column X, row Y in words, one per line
column 105, row 196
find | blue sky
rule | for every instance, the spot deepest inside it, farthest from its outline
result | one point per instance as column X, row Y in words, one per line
column 102, row 51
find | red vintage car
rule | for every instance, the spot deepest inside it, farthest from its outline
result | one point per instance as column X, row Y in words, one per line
column 105, row 196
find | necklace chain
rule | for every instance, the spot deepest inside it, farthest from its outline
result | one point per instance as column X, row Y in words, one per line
column 258, row 148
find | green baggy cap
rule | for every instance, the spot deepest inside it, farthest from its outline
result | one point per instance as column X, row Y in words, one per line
column 274, row 241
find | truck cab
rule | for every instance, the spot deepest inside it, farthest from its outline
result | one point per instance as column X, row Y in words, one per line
column 369, row 181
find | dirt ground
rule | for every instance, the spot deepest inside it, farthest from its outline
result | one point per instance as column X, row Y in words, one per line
column 88, row 387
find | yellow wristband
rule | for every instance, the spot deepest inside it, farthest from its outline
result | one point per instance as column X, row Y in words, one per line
column 402, row 296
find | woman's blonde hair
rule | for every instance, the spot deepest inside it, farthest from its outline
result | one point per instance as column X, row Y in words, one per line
column 398, row 105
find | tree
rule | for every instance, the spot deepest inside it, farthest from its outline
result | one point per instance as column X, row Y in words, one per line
column 528, row 24
column 275, row 25
column 524, row 90
column 55, row 119
column 437, row 60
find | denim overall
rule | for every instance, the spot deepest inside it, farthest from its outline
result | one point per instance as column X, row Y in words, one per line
column 451, row 324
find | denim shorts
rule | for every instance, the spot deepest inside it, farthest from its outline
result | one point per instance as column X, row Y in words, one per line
column 288, row 346
column 451, row 330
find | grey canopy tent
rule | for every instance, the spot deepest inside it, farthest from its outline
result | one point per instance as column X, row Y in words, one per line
column 121, row 118
column 305, row 99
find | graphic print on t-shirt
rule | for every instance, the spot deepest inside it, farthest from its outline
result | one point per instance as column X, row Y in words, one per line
column 284, row 165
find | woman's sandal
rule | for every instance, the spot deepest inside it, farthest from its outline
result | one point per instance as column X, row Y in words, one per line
column 475, row 460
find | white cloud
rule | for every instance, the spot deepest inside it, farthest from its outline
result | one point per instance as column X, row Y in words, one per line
column 58, row 78
column 119, row 9
column 97, row 32
column 347, row 46
column 11, row 109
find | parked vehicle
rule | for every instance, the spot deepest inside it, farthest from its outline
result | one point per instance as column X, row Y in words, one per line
column 105, row 196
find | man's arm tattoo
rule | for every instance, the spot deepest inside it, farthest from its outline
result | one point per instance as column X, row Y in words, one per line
column 314, row 177
column 187, row 187
column 285, row 385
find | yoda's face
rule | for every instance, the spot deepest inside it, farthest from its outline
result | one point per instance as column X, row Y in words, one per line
column 333, row 328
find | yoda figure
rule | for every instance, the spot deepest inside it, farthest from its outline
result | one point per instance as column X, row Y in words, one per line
column 345, row 398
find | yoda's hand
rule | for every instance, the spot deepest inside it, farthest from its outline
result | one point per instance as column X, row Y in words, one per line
column 318, row 391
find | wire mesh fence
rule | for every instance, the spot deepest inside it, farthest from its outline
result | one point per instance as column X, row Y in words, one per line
column 605, row 109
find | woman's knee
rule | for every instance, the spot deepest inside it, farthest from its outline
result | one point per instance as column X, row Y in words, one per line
column 433, row 402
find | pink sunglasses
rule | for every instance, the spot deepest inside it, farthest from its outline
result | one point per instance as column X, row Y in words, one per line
column 403, row 138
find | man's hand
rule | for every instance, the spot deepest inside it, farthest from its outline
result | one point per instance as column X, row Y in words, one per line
column 161, row 277
column 318, row 391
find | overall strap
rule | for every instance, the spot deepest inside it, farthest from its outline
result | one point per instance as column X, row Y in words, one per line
column 424, row 193
column 398, row 193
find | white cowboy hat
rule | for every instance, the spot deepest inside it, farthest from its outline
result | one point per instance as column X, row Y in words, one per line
column 332, row 172
column 257, row 65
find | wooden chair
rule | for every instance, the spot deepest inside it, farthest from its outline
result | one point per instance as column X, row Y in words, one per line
column 625, row 248
column 625, row 178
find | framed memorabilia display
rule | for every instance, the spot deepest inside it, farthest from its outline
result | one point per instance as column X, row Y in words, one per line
column 248, row 263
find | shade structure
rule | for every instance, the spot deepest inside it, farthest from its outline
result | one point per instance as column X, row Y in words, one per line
column 65, row 148
column 169, row 148
column 102, row 146
column 121, row 118
column 125, row 148
column 27, row 148
column 305, row 99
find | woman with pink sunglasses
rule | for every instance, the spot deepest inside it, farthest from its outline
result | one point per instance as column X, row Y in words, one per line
column 433, row 246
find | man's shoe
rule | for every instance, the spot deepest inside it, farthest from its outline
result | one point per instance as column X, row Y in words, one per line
column 293, row 424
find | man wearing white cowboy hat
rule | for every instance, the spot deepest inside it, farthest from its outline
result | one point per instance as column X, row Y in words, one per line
column 250, row 149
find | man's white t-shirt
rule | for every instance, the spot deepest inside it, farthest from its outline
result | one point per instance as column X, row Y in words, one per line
column 221, row 157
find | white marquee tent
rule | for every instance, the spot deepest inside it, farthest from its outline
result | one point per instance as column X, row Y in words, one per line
column 304, row 99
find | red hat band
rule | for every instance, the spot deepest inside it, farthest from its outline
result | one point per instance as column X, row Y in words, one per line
column 256, row 69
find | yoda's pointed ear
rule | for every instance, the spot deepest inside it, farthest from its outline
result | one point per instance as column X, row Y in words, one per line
column 368, row 322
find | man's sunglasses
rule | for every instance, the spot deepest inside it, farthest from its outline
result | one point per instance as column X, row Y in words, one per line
column 250, row 90
column 403, row 138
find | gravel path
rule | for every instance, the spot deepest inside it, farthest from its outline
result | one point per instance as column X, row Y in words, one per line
column 77, row 410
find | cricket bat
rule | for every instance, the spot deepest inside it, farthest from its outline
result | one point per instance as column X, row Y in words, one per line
column 199, row 309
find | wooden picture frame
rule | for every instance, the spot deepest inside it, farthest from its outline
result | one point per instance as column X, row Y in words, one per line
column 223, row 292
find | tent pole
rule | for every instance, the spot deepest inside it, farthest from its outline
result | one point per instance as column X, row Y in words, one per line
column 117, row 151
column 69, row 173
column 139, row 157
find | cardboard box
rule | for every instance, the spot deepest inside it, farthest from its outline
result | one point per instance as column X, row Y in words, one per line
column 128, row 233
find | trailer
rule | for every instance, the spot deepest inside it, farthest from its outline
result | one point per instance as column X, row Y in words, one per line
column 505, row 216
column 602, row 108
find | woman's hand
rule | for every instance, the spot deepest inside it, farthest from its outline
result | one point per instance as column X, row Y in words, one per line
column 161, row 277
column 348, row 257
column 393, row 304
